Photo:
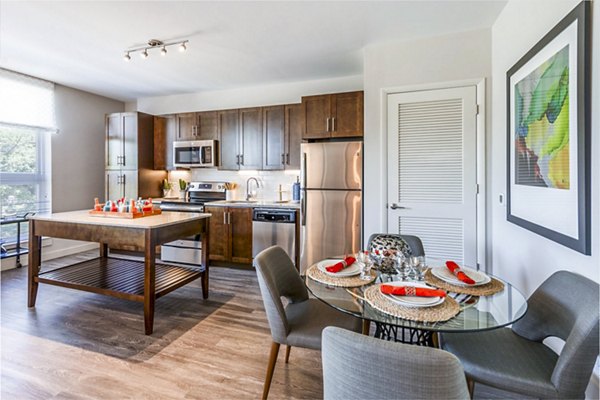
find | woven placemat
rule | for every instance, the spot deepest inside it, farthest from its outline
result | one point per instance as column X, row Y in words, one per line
column 443, row 312
column 493, row 287
column 316, row 274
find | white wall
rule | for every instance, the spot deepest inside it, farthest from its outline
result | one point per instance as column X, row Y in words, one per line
column 461, row 56
column 77, row 160
column 284, row 93
column 521, row 256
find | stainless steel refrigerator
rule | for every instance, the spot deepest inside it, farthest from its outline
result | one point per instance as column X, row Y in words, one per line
column 331, row 211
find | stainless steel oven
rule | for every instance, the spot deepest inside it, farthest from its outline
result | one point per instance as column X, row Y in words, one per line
column 195, row 154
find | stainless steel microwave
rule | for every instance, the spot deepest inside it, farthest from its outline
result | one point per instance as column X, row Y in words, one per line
column 195, row 154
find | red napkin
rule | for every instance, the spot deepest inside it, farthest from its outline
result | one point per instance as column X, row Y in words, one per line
column 411, row 291
column 455, row 269
column 337, row 267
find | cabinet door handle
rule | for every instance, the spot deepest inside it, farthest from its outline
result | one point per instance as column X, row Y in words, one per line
column 123, row 181
column 328, row 119
column 225, row 218
column 241, row 159
column 107, row 186
column 123, row 160
column 287, row 157
column 283, row 158
column 333, row 124
column 238, row 159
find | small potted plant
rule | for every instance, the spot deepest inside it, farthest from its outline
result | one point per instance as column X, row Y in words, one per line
column 166, row 187
column 182, row 188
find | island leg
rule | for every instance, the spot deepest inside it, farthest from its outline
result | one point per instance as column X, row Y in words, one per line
column 35, row 248
column 149, row 281
column 103, row 250
column 205, row 259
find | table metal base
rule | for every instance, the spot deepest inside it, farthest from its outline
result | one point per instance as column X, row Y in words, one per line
column 404, row 335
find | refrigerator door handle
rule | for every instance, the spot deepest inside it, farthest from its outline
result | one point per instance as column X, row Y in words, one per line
column 303, row 209
column 304, row 171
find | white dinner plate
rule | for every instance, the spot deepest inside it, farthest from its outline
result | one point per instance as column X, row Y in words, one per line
column 414, row 301
column 444, row 274
column 351, row 270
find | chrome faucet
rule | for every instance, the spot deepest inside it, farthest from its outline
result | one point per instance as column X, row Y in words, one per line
column 248, row 192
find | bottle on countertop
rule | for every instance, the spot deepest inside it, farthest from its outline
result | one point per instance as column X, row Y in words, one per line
column 296, row 190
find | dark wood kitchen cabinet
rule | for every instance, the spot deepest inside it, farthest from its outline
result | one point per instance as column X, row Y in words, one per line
column 274, row 151
column 228, row 127
column 333, row 115
column 197, row 126
column 251, row 138
column 240, row 139
column 165, row 133
column 130, row 157
column 283, row 127
column 230, row 236
column 294, row 129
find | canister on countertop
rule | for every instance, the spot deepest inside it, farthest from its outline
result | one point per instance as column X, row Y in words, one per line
column 296, row 190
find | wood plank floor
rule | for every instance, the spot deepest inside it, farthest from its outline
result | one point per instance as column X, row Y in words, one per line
column 77, row 345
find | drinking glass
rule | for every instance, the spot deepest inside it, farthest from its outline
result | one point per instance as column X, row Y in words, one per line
column 365, row 263
column 400, row 266
column 418, row 265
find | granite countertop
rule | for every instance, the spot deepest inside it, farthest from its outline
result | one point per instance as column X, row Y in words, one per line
column 84, row 217
column 256, row 204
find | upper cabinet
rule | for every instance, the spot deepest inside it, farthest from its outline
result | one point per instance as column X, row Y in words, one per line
column 273, row 126
column 165, row 133
column 129, row 156
column 228, row 128
column 294, row 129
column 333, row 115
column 197, row 126
column 251, row 138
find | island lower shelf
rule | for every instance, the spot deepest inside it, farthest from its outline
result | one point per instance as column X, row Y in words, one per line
column 118, row 277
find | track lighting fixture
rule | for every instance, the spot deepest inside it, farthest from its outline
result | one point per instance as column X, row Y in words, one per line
column 152, row 43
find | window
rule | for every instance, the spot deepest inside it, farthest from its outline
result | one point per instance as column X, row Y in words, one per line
column 26, row 123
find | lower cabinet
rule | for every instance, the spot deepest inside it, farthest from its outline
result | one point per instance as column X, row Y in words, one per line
column 230, row 234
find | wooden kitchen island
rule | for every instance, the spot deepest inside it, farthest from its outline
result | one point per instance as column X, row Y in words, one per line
column 126, row 279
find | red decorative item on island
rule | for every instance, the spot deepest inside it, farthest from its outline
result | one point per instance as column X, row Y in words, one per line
column 411, row 291
column 124, row 209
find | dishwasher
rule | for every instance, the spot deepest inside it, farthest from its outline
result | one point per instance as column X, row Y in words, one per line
column 274, row 226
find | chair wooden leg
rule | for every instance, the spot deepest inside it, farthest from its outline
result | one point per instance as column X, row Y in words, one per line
column 270, row 369
column 470, row 386
column 287, row 353
column 366, row 327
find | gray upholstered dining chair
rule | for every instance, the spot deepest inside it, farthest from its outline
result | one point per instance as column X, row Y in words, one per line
column 515, row 359
column 301, row 321
column 362, row 367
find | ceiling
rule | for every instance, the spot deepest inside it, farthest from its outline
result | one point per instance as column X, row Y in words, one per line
column 231, row 44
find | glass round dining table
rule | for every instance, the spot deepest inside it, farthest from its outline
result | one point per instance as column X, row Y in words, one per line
column 477, row 313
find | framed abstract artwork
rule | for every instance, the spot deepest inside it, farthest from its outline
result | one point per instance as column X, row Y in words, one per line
column 548, row 134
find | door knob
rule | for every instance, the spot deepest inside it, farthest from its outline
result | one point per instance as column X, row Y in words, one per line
column 395, row 206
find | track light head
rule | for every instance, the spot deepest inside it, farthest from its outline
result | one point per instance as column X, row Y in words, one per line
column 127, row 57
column 144, row 54
column 182, row 47
column 163, row 51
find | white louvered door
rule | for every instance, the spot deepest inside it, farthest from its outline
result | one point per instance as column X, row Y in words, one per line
column 432, row 170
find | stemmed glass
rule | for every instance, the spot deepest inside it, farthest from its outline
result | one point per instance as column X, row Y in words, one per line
column 365, row 263
column 400, row 266
column 418, row 265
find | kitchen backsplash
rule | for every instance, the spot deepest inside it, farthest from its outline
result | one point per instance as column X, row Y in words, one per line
column 269, row 181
